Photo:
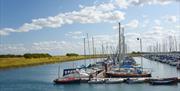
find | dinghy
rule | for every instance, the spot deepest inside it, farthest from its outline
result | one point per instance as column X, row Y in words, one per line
column 135, row 80
column 96, row 81
column 164, row 81
column 114, row 80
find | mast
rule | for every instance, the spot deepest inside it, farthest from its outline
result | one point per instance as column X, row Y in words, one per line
column 95, row 53
column 59, row 71
column 141, row 54
column 175, row 42
column 123, row 39
column 140, row 43
column 88, row 45
column 93, row 47
column 102, row 51
column 85, row 51
column 119, row 56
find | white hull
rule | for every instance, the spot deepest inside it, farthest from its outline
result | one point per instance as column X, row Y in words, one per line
column 110, row 81
column 96, row 81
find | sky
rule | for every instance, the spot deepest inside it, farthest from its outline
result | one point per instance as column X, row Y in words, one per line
column 59, row 26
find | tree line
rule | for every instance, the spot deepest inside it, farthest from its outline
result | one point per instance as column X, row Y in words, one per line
column 27, row 55
column 36, row 55
column 72, row 54
column 10, row 56
column 33, row 55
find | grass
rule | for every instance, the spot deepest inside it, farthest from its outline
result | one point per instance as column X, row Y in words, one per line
column 21, row 61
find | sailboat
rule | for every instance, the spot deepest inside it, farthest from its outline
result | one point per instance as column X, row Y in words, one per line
column 96, row 80
column 68, row 79
column 127, row 70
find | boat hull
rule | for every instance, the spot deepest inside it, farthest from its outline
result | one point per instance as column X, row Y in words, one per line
column 67, row 82
column 134, row 81
column 113, row 75
column 164, row 81
column 113, row 82
column 96, row 81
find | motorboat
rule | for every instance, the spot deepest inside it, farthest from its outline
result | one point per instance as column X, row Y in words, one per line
column 114, row 80
column 96, row 81
column 164, row 81
column 135, row 80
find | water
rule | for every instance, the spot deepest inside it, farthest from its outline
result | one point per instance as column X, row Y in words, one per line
column 40, row 78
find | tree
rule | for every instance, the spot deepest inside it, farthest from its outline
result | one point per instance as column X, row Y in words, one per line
column 72, row 54
column 37, row 55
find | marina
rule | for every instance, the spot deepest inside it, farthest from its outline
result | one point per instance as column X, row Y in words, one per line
column 100, row 77
column 90, row 45
column 119, row 67
column 26, row 78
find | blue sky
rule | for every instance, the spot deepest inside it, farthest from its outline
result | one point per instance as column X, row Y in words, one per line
column 58, row 26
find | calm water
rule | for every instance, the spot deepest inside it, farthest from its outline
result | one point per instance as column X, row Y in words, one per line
column 39, row 78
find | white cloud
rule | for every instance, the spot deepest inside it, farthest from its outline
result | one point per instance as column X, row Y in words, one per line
column 4, row 33
column 105, row 12
column 156, row 28
column 131, row 24
column 170, row 18
column 58, row 46
column 81, row 6
column 178, row 27
column 122, row 3
column 149, row 37
column 157, row 22
column 12, row 48
column 145, row 23
column 75, row 34
column 127, row 3
column 53, row 47
column 149, row 2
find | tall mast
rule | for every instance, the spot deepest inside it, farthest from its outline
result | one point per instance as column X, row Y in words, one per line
column 88, row 44
column 123, row 39
column 102, row 49
column 95, row 53
column 140, row 43
column 141, row 53
column 85, row 50
column 88, row 47
column 93, row 46
column 119, row 44
column 175, row 42
column 58, row 71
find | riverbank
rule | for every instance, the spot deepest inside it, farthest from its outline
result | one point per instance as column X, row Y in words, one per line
column 6, row 63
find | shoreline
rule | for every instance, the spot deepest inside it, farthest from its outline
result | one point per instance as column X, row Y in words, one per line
column 20, row 62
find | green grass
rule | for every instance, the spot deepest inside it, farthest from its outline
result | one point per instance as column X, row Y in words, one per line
column 21, row 61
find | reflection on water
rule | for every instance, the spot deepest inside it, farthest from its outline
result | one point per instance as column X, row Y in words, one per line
column 39, row 78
